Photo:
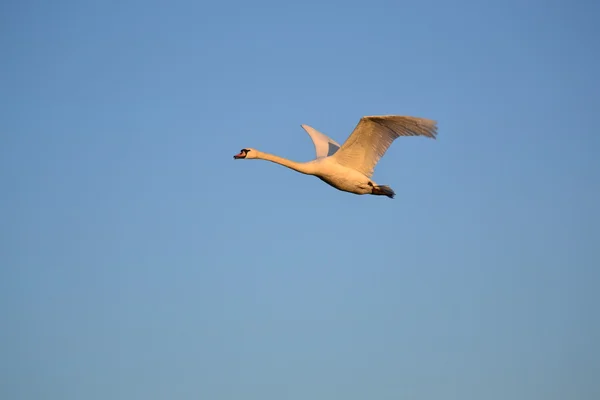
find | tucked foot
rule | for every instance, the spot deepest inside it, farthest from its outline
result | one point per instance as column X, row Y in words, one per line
column 382, row 190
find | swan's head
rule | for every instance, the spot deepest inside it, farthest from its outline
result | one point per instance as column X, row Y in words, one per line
column 246, row 153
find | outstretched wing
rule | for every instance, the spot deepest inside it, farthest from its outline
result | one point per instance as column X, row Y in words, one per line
column 324, row 146
column 373, row 136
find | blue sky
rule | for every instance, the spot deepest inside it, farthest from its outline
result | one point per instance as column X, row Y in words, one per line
column 139, row 261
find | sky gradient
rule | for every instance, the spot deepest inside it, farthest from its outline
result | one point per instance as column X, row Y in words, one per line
column 138, row 260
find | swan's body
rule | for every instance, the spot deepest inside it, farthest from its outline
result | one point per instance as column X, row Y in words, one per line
column 349, row 167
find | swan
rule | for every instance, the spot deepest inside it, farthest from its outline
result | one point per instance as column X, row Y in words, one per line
column 349, row 167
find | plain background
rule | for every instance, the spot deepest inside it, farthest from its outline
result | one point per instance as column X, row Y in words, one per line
column 139, row 261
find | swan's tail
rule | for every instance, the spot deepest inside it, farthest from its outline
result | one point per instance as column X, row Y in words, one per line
column 383, row 190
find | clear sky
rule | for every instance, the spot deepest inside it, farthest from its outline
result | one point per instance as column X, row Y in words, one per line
column 138, row 260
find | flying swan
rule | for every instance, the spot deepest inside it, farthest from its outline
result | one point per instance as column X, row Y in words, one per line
column 349, row 167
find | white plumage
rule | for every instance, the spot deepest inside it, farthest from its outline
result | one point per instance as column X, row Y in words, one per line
column 349, row 167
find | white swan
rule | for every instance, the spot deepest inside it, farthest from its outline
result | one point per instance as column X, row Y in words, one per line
column 349, row 167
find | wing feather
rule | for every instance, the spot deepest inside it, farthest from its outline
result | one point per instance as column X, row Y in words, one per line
column 373, row 136
column 324, row 145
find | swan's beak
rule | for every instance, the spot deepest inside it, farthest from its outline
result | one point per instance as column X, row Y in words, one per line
column 238, row 156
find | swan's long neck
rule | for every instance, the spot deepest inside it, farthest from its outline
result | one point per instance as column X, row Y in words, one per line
column 303, row 168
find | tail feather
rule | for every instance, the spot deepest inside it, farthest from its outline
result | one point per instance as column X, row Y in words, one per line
column 383, row 190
